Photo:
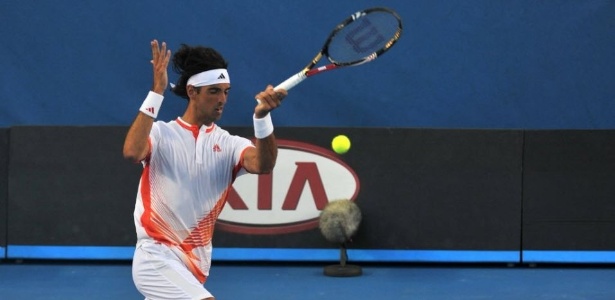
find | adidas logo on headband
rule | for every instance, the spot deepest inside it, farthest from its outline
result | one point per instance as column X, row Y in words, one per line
column 210, row 77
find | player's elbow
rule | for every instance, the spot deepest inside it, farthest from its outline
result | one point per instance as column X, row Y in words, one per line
column 132, row 154
column 129, row 156
column 265, row 168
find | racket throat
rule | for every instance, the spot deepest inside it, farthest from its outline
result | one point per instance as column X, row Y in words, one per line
column 320, row 69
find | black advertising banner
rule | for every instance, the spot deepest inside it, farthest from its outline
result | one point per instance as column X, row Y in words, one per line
column 70, row 186
column 569, row 190
column 417, row 189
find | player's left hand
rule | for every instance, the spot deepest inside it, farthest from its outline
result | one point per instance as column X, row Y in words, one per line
column 160, row 61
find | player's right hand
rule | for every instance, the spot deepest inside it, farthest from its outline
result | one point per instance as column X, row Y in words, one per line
column 268, row 100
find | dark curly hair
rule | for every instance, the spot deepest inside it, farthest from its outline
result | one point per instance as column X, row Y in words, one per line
column 191, row 60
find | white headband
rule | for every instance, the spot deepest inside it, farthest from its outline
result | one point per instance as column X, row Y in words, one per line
column 209, row 77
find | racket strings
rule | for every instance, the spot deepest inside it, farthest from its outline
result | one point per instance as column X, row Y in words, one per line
column 364, row 38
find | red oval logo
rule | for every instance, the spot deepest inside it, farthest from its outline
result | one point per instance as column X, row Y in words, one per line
column 306, row 177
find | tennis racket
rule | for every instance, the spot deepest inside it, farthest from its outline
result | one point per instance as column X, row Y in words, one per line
column 360, row 38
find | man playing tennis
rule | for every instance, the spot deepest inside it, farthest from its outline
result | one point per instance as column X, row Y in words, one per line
column 189, row 165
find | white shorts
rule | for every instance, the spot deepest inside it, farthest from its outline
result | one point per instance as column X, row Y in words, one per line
column 158, row 273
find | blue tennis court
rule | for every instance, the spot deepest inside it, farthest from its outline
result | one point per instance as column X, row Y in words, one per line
column 276, row 281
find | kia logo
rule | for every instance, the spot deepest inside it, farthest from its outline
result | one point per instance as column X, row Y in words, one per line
column 306, row 177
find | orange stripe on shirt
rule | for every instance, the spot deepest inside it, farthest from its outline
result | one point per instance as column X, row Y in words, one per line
column 201, row 236
column 153, row 224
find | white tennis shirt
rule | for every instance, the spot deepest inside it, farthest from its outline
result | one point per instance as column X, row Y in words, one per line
column 184, row 186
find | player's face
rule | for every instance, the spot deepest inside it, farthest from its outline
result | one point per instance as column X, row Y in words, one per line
column 210, row 101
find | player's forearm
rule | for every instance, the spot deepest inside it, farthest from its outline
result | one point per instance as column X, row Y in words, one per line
column 266, row 146
column 267, row 154
column 136, row 145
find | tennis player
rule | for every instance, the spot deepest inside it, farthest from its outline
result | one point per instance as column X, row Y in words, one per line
column 189, row 165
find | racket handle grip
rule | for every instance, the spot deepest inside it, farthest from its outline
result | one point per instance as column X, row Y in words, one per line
column 291, row 81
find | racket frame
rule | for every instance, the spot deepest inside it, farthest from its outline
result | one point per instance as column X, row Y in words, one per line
column 309, row 69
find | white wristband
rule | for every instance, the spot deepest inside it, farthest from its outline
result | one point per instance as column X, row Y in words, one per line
column 263, row 127
column 152, row 104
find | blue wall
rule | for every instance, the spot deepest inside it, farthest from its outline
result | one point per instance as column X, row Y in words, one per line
column 460, row 64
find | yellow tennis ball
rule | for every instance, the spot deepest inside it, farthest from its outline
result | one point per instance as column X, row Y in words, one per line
column 340, row 144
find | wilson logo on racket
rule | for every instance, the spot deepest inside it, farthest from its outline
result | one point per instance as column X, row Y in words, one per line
column 305, row 179
column 365, row 37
